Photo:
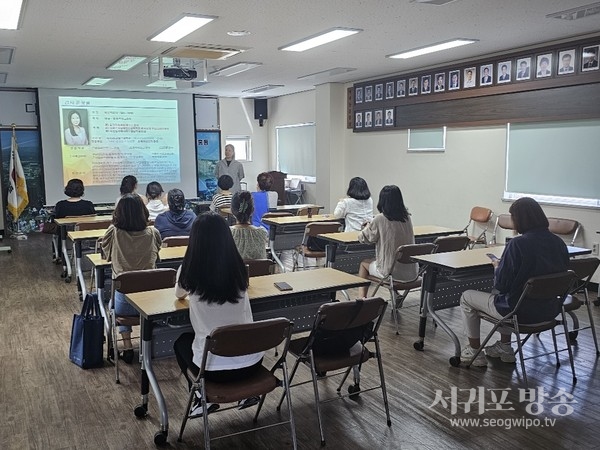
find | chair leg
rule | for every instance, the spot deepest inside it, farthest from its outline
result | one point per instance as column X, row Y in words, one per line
column 556, row 346
column 286, row 388
column 520, row 350
column 591, row 319
column 187, row 413
column 205, row 417
column 394, row 310
column 296, row 364
column 382, row 380
column 344, row 378
column 569, row 349
column 115, row 346
column 313, row 370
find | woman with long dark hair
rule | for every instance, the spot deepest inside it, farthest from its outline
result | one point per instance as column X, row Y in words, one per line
column 130, row 244
column 214, row 278
column 357, row 207
column 388, row 230
column 129, row 185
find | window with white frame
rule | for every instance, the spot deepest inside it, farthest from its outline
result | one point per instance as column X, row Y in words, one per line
column 296, row 151
column 242, row 146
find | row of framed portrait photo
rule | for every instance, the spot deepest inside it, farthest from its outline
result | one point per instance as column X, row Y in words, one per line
column 521, row 69
column 374, row 119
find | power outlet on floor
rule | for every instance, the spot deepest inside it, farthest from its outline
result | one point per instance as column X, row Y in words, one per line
column 595, row 246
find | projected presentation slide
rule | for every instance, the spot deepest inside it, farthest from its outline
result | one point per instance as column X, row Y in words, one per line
column 104, row 139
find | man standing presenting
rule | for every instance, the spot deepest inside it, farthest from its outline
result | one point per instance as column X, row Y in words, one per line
column 229, row 166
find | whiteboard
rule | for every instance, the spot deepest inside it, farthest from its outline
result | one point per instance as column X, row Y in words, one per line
column 554, row 162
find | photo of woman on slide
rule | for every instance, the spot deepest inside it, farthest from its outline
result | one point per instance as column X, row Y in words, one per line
column 75, row 134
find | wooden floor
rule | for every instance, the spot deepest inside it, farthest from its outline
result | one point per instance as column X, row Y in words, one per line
column 46, row 402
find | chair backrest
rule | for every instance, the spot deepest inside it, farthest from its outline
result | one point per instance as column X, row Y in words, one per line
column 584, row 268
column 304, row 211
column 248, row 338
column 480, row 217
column 144, row 280
column 176, row 241
column 316, row 228
column 480, row 214
column 445, row 244
column 258, row 267
column 503, row 221
column 552, row 286
column 404, row 253
column 564, row 227
column 100, row 225
column 345, row 315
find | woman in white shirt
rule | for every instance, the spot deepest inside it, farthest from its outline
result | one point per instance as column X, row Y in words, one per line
column 357, row 208
column 214, row 278
column 155, row 200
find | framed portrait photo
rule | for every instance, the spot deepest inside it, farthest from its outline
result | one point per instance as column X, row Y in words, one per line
column 400, row 88
column 378, row 117
column 368, row 93
column 523, row 69
column 413, row 86
column 453, row 80
column 469, row 77
column 566, row 62
column 358, row 123
column 425, row 84
column 368, row 119
column 486, row 75
column 589, row 58
column 504, row 71
column 389, row 89
column 379, row 92
column 358, row 95
column 389, row 117
column 543, row 65
column 439, row 83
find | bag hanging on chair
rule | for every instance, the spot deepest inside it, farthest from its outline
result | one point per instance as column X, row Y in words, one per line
column 87, row 335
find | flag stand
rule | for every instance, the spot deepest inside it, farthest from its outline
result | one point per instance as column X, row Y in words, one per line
column 17, row 189
column 18, row 235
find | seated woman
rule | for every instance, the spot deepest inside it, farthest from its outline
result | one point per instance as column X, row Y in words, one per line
column 128, row 186
column 357, row 208
column 177, row 221
column 250, row 240
column 155, row 199
column 536, row 251
column 74, row 205
column 222, row 199
column 264, row 199
column 217, row 293
column 130, row 244
column 389, row 229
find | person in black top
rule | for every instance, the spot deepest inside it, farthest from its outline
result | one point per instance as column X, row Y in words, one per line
column 74, row 205
column 536, row 251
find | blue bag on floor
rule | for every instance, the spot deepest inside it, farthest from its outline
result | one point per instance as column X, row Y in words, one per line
column 87, row 335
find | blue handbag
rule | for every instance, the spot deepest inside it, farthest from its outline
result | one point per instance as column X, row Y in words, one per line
column 87, row 335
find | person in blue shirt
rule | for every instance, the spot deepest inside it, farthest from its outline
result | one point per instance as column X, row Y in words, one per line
column 536, row 251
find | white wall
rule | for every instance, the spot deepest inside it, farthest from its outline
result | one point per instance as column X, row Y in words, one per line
column 237, row 119
column 438, row 188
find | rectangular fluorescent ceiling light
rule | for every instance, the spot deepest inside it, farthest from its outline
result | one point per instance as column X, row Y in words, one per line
column 432, row 48
column 324, row 37
column 126, row 62
column 327, row 73
column 184, row 26
column 235, row 69
column 266, row 87
column 97, row 81
column 576, row 13
column 10, row 13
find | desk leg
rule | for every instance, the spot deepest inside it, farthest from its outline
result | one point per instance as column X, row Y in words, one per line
column 272, row 233
column 148, row 379
column 99, row 281
column 454, row 360
column 330, row 251
column 427, row 290
column 66, row 261
column 79, row 270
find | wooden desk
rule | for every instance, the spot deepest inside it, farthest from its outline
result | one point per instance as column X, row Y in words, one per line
column 63, row 223
column 78, row 237
column 345, row 252
column 285, row 233
column 311, row 289
column 294, row 208
column 448, row 275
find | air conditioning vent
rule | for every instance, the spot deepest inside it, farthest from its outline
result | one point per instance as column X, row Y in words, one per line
column 202, row 51
column 576, row 13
